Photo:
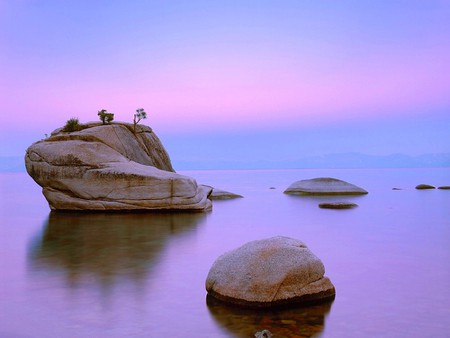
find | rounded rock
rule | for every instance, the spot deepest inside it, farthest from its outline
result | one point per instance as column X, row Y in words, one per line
column 324, row 186
column 269, row 272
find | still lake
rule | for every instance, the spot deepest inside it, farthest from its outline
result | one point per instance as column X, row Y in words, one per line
column 143, row 275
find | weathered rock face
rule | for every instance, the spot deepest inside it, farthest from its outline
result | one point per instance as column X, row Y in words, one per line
column 324, row 186
column 108, row 167
column 269, row 272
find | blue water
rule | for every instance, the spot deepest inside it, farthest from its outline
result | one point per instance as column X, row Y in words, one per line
column 142, row 275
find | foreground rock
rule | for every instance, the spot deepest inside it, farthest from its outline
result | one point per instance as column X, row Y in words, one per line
column 444, row 187
column 108, row 167
column 269, row 272
column 337, row 205
column 425, row 186
column 324, row 186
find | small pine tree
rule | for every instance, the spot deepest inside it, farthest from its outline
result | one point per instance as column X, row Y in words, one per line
column 105, row 117
column 72, row 124
column 140, row 115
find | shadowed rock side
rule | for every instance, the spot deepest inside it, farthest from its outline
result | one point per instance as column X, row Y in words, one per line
column 324, row 186
column 108, row 167
column 270, row 272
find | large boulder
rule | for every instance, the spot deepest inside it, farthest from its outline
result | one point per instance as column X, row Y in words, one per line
column 269, row 272
column 324, row 186
column 109, row 167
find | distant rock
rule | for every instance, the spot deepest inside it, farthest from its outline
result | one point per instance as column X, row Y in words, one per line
column 324, row 186
column 337, row 205
column 444, row 187
column 269, row 272
column 425, row 186
column 108, row 167
column 218, row 194
column 396, row 189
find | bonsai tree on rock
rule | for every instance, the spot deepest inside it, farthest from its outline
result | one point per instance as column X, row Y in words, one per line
column 73, row 124
column 105, row 117
column 140, row 115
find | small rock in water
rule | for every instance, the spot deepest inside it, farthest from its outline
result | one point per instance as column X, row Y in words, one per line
column 218, row 194
column 263, row 334
column 444, row 187
column 396, row 189
column 337, row 205
column 425, row 186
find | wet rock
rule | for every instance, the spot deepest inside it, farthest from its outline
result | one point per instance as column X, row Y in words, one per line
column 269, row 272
column 324, row 186
column 444, row 187
column 425, row 186
column 337, row 205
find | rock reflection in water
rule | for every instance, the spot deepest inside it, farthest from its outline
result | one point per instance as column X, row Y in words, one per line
column 305, row 321
column 105, row 247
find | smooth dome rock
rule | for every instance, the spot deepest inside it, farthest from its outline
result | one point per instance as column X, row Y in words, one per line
column 108, row 167
column 337, row 205
column 424, row 187
column 269, row 272
column 324, row 186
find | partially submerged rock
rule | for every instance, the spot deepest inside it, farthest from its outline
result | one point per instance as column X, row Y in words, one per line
column 337, row 205
column 324, row 186
column 444, row 187
column 218, row 194
column 269, row 272
column 425, row 187
column 108, row 167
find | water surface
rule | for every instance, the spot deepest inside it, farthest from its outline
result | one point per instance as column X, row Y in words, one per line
column 141, row 275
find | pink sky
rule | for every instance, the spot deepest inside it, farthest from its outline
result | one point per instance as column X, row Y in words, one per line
column 217, row 67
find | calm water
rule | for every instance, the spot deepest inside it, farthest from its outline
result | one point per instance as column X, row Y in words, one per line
column 125, row 275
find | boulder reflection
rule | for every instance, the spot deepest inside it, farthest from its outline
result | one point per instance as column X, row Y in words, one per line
column 105, row 247
column 283, row 322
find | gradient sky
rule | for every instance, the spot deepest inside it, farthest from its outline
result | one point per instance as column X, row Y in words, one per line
column 256, row 79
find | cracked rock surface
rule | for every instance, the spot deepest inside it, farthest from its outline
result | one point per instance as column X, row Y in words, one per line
column 269, row 272
column 108, row 167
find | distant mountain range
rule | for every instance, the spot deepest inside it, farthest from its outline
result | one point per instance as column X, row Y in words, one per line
column 338, row 161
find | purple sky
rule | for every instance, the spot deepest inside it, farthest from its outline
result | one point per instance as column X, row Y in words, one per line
column 303, row 77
